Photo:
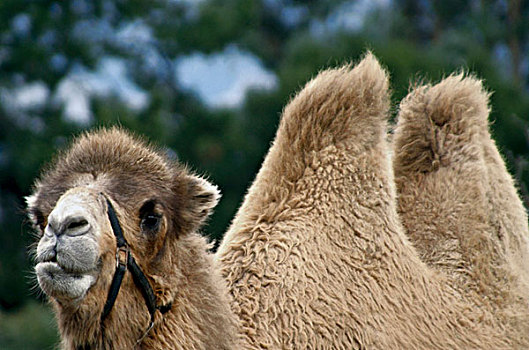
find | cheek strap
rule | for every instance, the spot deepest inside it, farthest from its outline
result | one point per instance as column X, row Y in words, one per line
column 124, row 261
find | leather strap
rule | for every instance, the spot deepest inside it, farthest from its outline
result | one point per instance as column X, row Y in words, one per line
column 144, row 286
column 114, row 290
column 121, row 261
column 125, row 260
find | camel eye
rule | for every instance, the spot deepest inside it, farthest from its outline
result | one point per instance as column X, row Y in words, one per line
column 150, row 220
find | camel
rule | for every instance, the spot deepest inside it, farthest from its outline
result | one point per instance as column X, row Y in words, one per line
column 327, row 250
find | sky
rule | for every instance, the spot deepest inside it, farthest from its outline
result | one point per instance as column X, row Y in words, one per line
column 220, row 79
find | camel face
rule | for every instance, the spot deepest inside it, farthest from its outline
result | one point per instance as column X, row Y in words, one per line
column 108, row 177
column 78, row 249
column 68, row 251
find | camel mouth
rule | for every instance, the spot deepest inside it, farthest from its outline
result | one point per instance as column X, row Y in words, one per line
column 51, row 259
column 61, row 283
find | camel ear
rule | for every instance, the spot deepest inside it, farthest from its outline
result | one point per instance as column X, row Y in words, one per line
column 202, row 197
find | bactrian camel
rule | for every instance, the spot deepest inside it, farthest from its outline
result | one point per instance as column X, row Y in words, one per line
column 350, row 237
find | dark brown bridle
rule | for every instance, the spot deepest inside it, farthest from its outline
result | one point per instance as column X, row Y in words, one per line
column 124, row 261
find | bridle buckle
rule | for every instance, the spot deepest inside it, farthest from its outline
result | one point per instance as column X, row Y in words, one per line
column 122, row 256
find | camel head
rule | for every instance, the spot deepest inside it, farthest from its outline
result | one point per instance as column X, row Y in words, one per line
column 158, row 204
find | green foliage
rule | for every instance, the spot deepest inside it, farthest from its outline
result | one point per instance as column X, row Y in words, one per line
column 31, row 328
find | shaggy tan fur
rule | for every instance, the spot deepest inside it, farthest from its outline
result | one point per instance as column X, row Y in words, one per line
column 176, row 260
column 458, row 202
column 317, row 257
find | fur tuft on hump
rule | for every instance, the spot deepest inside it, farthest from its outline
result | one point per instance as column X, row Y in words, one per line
column 336, row 105
column 344, row 108
column 458, row 105
column 341, row 105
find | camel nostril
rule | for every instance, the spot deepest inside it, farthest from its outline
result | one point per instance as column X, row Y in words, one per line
column 76, row 224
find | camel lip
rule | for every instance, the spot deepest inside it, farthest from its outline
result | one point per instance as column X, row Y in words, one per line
column 61, row 283
column 54, row 267
column 50, row 259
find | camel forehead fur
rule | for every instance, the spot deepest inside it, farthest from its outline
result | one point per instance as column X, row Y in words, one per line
column 129, row 171
column 113, row 160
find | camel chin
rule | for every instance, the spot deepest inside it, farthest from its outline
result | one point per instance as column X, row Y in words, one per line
column 62, row 284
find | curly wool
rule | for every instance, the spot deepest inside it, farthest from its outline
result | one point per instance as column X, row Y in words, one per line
column 317, row 257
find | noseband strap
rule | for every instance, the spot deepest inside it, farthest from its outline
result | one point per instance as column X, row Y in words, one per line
column 124, row 261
